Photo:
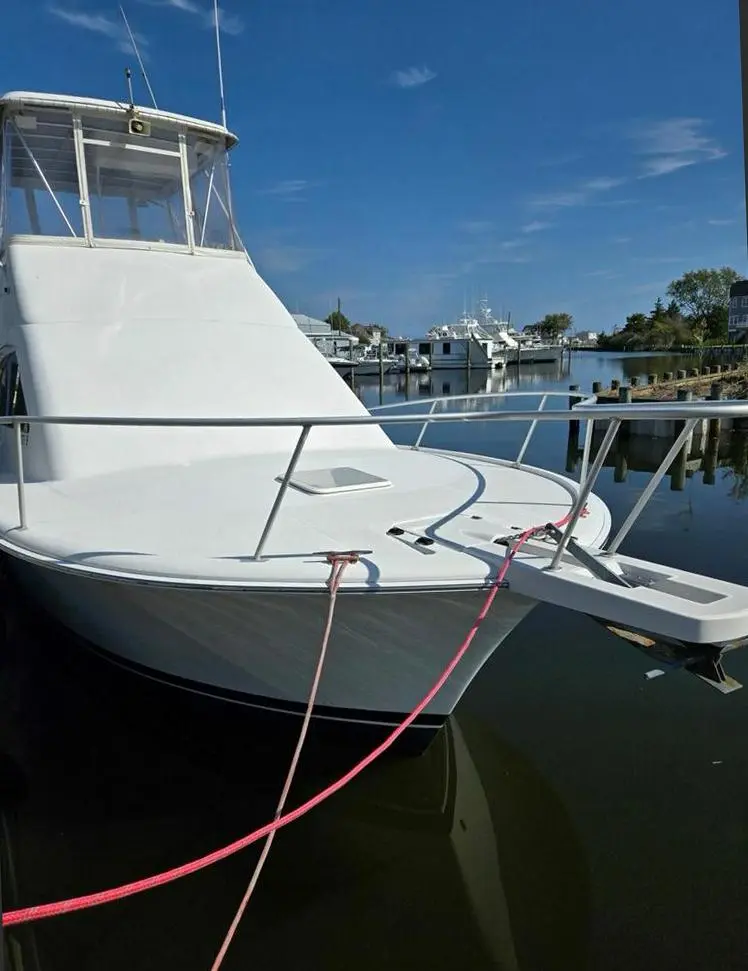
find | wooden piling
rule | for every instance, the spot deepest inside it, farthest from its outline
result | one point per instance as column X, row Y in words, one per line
column 621, row 465
column 597, row 387
column 615, row 384
column 573, row 400
column 682, row 375
column 668, row 375
column 678, row 468
column 710, row 461
column 715, row 394
column 651, row 379
column 624, row 397
column 634, row 381
column 572, row 448
column 678, row 471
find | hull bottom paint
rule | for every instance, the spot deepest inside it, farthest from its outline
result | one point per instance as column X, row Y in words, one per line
column 260, row 649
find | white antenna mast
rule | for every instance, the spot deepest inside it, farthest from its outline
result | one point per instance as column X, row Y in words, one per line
column 220, row 63
column 140, row 59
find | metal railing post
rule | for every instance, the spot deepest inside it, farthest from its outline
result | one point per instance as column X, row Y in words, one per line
column 423, row 429
column 19, row 475
column 586, row 448
column 585, row 489
column 282, row 490
column 530, row 432
column 652, row 485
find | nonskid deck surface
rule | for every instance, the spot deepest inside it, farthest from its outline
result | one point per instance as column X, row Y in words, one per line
column 203, row 521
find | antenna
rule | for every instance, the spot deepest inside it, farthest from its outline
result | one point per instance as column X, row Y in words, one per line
column 128, row 78
column 140, row 63
column 220, row 62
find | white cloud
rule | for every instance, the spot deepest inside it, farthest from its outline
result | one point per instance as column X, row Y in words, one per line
column 603, row 274
column 559, row 200
column 621, row 239
column 685, row 260
column 672, row 144
column 602, row 184
column 585, row 193
column 203, row 11
column 720, row 222
column 289, row 190
column 413, row 77
column 495, row 254
column 100, row 24
column 536, row 226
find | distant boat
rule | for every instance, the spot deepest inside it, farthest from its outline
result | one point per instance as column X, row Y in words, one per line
column 508, row 346
column 369, row 362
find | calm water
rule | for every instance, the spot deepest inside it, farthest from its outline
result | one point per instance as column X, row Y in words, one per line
column 573, row 816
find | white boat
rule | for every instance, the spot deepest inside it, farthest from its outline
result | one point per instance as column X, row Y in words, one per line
column 192, row 543
column 412, row 362
column 369, row 363
column 449, row 347
column 342, row 363
column 507, row 345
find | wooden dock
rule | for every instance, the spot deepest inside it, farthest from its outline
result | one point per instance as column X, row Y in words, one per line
column 731, row 379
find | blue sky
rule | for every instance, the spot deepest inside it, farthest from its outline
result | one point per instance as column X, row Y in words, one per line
column 406, row 156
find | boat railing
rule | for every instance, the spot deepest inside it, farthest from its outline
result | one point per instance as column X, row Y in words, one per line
column 689, row 413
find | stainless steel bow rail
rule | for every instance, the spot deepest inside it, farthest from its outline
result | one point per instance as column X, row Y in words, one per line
column 690, row 413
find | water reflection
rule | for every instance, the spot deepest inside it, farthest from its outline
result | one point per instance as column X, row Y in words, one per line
column 464, row 857
column 457, row 381
column 706, row 453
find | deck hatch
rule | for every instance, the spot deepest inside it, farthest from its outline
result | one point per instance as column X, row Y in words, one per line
column 335, row 480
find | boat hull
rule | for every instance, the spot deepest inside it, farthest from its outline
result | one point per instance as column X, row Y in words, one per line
column 385, row 653
column 369, row 368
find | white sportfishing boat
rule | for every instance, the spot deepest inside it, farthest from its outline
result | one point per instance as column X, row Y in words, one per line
column 188, row 535
column 508, row 346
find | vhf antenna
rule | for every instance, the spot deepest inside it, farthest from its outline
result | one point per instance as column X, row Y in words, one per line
column 128, row 77
column 143, row 71
column 220, row 63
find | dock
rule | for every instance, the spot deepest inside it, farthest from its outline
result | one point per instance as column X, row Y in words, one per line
column 731, row 379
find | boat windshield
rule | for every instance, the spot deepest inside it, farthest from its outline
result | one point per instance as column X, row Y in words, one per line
column 112, row 176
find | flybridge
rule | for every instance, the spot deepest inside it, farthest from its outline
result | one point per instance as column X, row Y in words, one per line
column 99, row 172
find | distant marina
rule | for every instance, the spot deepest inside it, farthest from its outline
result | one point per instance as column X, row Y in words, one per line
column 479, row 341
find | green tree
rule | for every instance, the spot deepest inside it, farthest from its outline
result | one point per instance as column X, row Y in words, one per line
column 552, row 325
column 338, row 321
column 637, row 323
column 660, row 329
column 658, row 311
column 704, row 297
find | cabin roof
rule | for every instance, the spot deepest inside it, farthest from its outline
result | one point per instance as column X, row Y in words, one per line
column 35, row 99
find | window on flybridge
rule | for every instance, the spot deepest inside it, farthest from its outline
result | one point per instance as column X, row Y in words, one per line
column 111, row 176
column 39, row 175
column 134, row 181
column 207, row 163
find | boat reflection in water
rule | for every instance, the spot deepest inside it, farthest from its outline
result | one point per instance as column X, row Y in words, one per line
column 462, row 858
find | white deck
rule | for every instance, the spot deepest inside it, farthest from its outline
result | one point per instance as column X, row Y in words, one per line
column 200, row 523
